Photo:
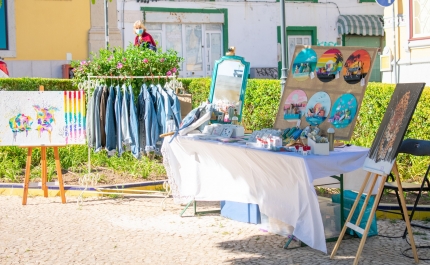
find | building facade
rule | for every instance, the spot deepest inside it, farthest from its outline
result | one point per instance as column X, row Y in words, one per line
column 41, row 36
column 200, row 31
column 406, row 55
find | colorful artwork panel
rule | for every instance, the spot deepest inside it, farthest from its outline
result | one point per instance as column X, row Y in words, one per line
column 356, row 67
column 304, row 63
column 343, row 111
column 318, row 108
column 295, row 105
column 393, row 127
column 35, row 118
column 329, row 65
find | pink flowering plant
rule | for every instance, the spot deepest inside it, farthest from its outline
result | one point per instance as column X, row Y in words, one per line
column 133, row 61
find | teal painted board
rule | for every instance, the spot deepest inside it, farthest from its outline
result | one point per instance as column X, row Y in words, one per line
column 349, row 199
column 242, row 212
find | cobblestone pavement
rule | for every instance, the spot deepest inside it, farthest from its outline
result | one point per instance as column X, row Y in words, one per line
column 137, row 231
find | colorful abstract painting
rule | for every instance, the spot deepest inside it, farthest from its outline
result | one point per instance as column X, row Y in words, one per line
column 295, row 105
column 343, row 111
column 392, row 129
column 329, row 65
column 74, row 115
column 318, row 108
column 356, row 67
column 35, row 118
column 304, row 64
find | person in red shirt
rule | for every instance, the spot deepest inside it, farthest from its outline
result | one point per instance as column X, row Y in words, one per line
column 3, row 66
column 143, row 38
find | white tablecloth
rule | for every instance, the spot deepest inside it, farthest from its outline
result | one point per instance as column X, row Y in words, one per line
column 279, row 182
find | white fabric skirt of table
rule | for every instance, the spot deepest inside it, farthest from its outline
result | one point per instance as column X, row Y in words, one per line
column 279, row 182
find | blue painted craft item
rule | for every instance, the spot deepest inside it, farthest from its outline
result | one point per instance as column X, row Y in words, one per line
column 292, row 130
column 284, row 133
column 296, row 134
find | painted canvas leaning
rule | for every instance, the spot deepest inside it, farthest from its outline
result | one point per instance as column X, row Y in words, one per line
column 393, row 127
column 36, row 118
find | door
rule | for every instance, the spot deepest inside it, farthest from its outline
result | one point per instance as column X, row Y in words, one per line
column 213, row 50
column 296, row 40
column 370, row 42
column 194, row 65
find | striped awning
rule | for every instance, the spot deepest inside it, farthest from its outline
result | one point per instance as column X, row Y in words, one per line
column 371, row 25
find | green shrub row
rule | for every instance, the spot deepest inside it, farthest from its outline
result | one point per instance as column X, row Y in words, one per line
column 32, row 84
column 261, row 106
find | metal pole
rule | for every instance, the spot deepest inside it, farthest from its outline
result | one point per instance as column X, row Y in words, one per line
column 283, row 48
column 106, row 23
column 395, row 49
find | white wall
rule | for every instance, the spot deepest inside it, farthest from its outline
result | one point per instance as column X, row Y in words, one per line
column 252, row 24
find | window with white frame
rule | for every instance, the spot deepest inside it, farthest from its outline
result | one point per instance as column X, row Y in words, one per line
column 419, row 19
column 199, row 44
column 296, row 40
column 3, row 26
column 7, row 29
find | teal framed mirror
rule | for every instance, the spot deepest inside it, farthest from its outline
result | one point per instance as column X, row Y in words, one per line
column 228, row 85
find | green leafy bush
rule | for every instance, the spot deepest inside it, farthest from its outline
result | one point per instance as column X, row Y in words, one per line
column 133, row 61
column 32, row 84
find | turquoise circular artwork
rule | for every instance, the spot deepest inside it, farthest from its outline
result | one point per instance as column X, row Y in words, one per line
column 304, row 63
column 343, row 111
column 318, row 108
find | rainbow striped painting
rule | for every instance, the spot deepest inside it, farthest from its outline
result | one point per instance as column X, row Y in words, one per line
column 36, row 118
column 74, row 116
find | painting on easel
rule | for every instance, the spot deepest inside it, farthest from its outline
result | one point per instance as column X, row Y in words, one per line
column 36, row 118
column 393, row 127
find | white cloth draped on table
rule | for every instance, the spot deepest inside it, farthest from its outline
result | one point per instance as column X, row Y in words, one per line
column 279, row 182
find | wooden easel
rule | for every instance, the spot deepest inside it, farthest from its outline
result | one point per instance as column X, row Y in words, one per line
column 44, row 166
column 356, row 227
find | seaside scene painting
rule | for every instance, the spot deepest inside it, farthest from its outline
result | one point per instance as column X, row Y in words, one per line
column 304, row 63
column 295, row 105
column 318, row 108
column 329, row 65
column 356, row 67
column 343, row 111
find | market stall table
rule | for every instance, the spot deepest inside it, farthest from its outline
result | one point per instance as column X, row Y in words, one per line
column 279, row 182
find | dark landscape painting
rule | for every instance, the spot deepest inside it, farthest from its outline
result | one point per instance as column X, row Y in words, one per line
column 393, row 128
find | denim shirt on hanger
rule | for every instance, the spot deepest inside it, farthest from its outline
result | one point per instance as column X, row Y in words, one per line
column 167, row 106
column 176, row 107
column 141, row 118
column 134, row 126
column 97, row 132
column 149, row 116
column 110, row 121
column 160, row 111
column 125, row 117
column 90, row 118
column 118, row 105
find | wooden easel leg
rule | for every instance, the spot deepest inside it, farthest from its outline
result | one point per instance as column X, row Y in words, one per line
column 27, row 176
column 405, row 212
column 44, row 171
column 366, row 201
column 369, row 220
column 60, row 176
column 342, row 233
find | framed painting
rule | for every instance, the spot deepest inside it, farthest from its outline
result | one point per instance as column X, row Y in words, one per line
column 42, row 118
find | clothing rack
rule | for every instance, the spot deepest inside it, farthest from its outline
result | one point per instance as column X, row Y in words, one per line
column 88, row 178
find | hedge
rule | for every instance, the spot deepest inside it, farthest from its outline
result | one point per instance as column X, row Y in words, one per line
column 32, row 84
column 262, row 102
